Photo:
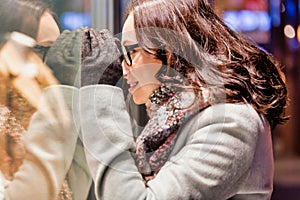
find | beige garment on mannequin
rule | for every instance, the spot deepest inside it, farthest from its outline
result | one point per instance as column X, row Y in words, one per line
column 21, row 91
column 25, row 73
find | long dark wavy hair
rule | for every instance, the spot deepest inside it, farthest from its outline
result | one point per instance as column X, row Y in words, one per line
column 196, row 42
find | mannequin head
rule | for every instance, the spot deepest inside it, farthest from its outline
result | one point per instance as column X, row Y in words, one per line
column 30, row 17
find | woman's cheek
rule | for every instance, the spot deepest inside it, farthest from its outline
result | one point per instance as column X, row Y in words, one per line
column 146, row 74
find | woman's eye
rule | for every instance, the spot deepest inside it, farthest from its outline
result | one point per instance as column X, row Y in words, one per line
column 133, row 51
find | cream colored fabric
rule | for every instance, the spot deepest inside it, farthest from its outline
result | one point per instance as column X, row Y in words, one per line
column 51, row 141
column 25, row 72
column 2, row 184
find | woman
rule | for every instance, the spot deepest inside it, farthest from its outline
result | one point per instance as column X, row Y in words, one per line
column 24, row 160
column 212, row 97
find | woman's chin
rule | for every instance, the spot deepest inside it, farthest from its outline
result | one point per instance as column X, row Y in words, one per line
column 142, row 94
column 138, row 100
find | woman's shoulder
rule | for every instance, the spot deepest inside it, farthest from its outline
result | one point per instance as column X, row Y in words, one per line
column 229, row 118
column 229, row 111
column 232, row 125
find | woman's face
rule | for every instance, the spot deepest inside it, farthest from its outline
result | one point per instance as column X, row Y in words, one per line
column 141, row 74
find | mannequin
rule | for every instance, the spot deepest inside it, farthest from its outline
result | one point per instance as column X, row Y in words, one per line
column 25, row 81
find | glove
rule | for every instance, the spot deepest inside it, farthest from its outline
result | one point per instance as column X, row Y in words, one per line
column 64, row 57
column 84, row 57
column 101, row 58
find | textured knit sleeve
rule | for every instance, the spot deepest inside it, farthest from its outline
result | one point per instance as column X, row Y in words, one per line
column 50, row 143
column 217, row 151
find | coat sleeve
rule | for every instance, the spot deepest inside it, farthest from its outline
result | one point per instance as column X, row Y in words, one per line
column 216, row 154
column 79, row 177
column 50, row 144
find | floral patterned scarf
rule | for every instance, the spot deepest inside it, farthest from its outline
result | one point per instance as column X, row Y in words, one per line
column 168, row 108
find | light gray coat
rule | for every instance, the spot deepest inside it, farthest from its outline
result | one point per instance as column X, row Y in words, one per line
column 224, row 152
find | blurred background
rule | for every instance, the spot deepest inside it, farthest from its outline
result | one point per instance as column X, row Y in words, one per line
column 272, row 24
